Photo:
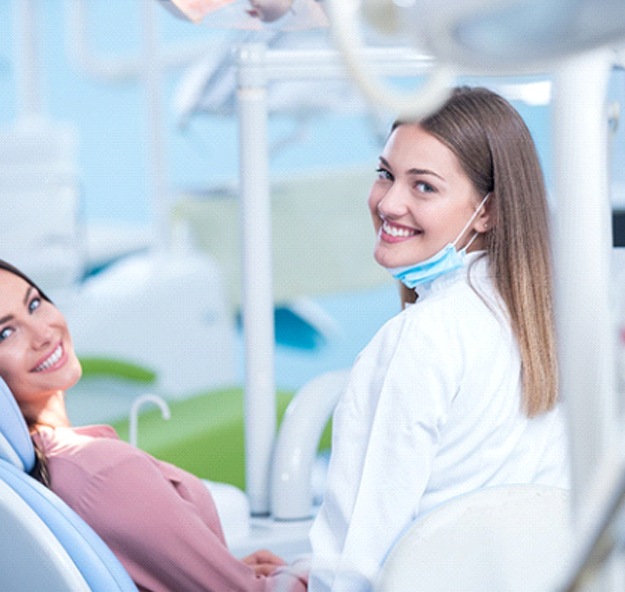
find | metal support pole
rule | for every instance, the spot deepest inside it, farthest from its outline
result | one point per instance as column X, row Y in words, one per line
column 586, row 331
column 152, row 76
column 258, row 320
column 582, row 249
column 27, row 57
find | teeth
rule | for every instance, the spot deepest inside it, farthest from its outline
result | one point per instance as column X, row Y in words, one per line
column 53, row 359
column 395, row 231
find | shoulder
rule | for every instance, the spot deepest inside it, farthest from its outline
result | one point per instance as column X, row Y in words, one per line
column 461, row 300
column 456, row 318
column 75, row 455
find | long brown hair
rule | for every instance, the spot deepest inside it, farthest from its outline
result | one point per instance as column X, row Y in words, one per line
column 40, row 469
column 496, row 151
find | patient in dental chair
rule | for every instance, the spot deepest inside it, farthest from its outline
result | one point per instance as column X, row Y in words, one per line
column 159, row 520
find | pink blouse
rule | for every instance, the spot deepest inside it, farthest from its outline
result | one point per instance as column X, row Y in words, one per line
column 160, row 521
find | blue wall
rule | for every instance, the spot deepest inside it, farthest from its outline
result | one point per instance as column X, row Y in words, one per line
column 111, row 119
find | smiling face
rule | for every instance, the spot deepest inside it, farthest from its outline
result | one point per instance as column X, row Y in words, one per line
column 421, row 200
column 37, row 357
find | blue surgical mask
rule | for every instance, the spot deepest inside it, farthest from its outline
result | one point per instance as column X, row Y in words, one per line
column 446, row 260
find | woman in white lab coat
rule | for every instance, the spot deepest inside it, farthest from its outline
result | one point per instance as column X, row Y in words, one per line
column 459, row 391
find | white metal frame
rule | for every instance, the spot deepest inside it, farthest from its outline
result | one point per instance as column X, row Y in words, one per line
column 257, row 66
column 583, row 240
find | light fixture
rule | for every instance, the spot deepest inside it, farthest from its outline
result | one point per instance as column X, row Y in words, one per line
column 472, row 37
column 506, row 36
column 193, row 10
column 284, row 15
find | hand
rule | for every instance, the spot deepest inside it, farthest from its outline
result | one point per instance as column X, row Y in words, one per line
column 263, row 562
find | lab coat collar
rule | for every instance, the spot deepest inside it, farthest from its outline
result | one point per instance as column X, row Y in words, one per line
column 476, row 263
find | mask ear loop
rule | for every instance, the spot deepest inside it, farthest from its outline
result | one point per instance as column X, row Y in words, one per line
column 475, row 235
column 466, row 226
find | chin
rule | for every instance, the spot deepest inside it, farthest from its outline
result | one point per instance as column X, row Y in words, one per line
column 77, row 374
column 391, row 261
column 381, row 261
column 72, row 375
column 396, row 254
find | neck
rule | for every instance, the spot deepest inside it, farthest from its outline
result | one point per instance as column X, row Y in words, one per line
column 477, row 244
column 51, row 413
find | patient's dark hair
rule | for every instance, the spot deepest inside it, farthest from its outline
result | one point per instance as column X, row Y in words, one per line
column 15, row 271
column 40, row 470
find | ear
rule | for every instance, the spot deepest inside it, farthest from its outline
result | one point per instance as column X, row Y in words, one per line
column 483, row 221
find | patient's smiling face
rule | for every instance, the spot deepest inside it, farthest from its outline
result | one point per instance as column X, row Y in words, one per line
column 37, row 355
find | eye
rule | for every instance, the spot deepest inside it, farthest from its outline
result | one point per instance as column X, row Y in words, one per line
column 5, row 333
column 384, row 174
column 424, row 187
column 34, row 304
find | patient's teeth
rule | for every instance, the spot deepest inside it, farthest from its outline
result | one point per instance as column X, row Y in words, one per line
column 53, row 359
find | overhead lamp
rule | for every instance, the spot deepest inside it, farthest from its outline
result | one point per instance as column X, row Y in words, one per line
column 284, row 15
column 193, row 10
column 472, row 37
column 511, row 36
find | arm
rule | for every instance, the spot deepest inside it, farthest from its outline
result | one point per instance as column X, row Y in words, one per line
column 385, row 436
column 165, row 531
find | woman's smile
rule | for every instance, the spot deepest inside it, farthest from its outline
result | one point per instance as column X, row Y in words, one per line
column 52, row 361
column 393, row 233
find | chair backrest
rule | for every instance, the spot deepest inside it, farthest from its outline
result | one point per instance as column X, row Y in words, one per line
column 16, row 446
column 32, row 557
column 510, row 539
column 57, row 544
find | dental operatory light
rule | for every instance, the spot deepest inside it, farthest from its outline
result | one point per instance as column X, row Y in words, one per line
column 193, row 10
column 472, row 37
column 270, row 11
column 505, row 36
column 250, row 14
column 519, row 35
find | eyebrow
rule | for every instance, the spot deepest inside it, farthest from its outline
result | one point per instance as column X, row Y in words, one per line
column 413, row 171
column 28, row 292
column 8, row 318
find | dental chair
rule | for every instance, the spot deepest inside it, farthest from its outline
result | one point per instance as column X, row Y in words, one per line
column 44, row 544
column 514, row 538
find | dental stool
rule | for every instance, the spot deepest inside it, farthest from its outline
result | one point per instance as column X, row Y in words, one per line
column 44, row 544
column 508, row 538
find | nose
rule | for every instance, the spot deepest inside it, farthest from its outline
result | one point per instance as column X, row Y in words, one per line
column 41, row 334
column 392, row 203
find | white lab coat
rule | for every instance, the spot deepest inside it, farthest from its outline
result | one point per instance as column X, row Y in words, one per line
column 432, row 411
